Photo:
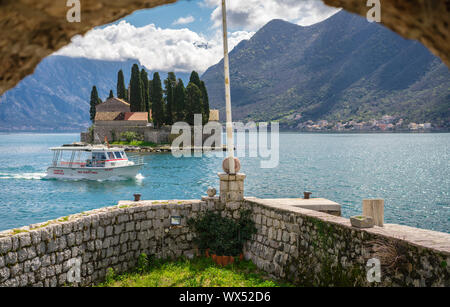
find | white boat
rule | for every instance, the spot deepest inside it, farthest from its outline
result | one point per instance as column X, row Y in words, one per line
column 92, row 163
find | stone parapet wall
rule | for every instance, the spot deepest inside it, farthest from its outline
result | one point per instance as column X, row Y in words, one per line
column 114, row 237
column 301, row 246
column 317, row 249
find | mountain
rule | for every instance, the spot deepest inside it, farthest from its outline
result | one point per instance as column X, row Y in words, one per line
column 339, row 69
column 56, row 97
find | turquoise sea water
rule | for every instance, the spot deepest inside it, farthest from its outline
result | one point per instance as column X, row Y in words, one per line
column 410, row 171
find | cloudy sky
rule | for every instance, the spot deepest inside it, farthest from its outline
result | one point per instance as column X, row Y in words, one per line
column 186, row 36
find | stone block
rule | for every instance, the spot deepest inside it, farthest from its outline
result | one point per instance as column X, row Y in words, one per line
column 362, row 221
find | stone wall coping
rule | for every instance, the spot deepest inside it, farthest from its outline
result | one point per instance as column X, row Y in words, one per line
column 87, row 216
column 422, row 238
column 318, row 204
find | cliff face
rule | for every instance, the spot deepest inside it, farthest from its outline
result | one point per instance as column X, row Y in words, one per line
column 30, row 30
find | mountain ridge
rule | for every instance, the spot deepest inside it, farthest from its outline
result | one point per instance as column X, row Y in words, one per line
column 56, row 96
column 339, row 69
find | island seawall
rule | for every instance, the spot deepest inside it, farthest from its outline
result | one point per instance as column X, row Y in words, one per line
column 293, row 243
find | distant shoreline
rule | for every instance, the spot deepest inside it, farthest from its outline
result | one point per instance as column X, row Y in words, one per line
column 281, row 131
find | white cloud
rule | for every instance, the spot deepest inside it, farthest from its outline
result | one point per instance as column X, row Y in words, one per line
column 179, row 50
column 183, row 50
column 251, row 15
column 184, row 20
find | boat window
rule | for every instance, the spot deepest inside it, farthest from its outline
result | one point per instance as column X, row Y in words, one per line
column 98, row 156
column 118, row 155
column 111, row 155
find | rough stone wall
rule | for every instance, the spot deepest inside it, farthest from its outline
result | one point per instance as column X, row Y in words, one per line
column 113, row 237
column 113, row 132
column 298, row 245
column 317, row 249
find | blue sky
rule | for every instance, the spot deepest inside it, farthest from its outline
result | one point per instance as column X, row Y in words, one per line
column 186, row 35
column 166, row 16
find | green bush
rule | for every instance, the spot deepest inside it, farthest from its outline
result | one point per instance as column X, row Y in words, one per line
column 222, row 235
column 131, row 136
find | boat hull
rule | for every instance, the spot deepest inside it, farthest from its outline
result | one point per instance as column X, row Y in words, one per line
column 93, row 173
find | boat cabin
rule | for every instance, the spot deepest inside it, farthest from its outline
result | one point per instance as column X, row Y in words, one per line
column 88, row 157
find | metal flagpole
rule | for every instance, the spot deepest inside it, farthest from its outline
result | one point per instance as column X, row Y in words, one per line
column 230, row 140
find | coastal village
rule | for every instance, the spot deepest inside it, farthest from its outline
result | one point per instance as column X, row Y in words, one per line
column 386, row 124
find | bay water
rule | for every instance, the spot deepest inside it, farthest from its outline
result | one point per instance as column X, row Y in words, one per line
column 410, row 171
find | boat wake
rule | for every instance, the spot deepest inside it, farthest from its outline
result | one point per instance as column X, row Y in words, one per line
column 43, row 176
column 24, row 176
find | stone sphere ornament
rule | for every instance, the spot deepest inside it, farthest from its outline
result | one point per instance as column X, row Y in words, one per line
column 226, row 165
column 211, row 192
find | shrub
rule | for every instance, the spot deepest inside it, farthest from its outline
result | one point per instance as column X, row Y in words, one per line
column 223, row 235
column 131, row 136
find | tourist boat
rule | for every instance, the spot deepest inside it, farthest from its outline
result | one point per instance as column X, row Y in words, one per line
column 92, row 163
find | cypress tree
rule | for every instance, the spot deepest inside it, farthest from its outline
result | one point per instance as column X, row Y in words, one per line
column 121, row 90
column 195, row 79
column 145, row 90
column 179, row 101
column 111, row 94
column 136, row 100
column 94, row 102
column 193, row 102
column 157, row 100
column 205, row 99
column 170, row 84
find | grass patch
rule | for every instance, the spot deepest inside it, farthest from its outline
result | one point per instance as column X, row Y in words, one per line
column 135, row 143
column 199, row 272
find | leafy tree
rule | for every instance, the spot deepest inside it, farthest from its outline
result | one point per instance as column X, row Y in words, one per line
column 156, row 97
column 193, row 102
column 170, row 84
column 94, row 102
column 145, row 90
column 179, row 101
column 205, row 102
column 111, row 94
column 136, row 99
column 121, row 90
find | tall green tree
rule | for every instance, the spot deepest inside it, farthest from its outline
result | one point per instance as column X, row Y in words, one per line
column 136, row 99
column 121, row 89
column 94, row 102
column 156, row 97
column 170, row 84
column 195, row 79
column 193, row 102
column 205, row 100
column 111, row 94
column 179, row 102
column 145, row 90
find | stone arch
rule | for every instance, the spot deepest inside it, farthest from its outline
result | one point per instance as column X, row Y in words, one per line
column 33, row 29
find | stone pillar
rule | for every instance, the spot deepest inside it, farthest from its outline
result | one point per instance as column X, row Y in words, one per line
column 375, row 209
column 231, row 187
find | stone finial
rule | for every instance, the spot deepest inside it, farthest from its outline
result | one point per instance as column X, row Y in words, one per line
column 226, row 165
column 211, row 192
